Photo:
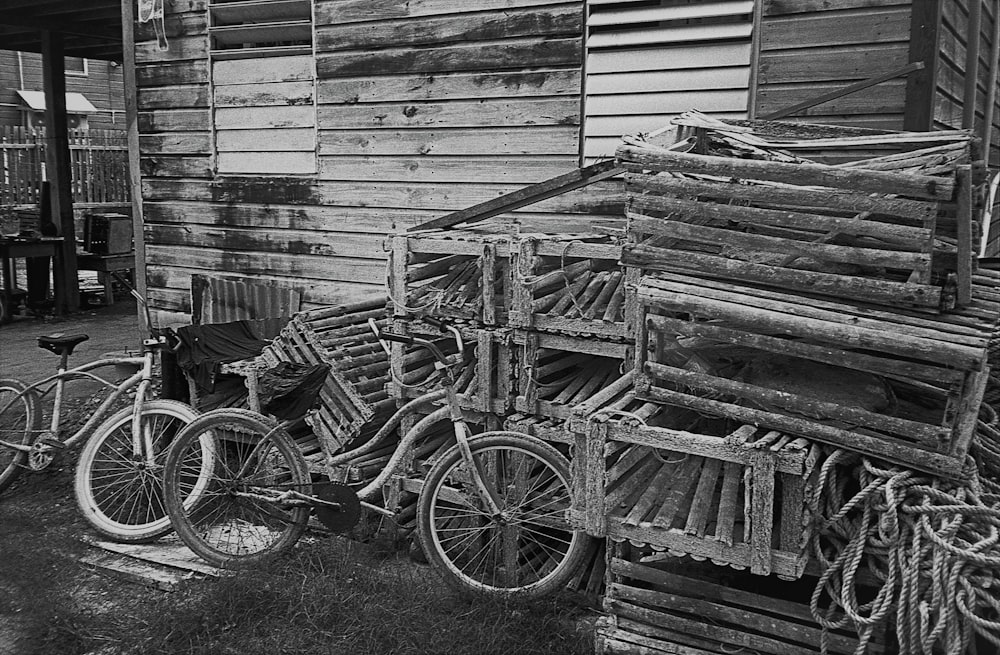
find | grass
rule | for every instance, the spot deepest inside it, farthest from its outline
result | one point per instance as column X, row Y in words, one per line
column 333, row 596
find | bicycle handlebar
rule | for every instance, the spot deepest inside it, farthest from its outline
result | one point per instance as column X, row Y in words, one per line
column 383, row 336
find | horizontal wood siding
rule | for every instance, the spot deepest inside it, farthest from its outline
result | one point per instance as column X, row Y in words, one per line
column 647, row 64
column 422, row 107
column 811, row 47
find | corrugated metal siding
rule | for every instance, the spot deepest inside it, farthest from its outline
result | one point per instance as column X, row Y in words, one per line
column 649, row 61
column 808, row 48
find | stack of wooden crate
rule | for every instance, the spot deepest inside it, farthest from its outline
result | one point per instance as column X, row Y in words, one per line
column 776, row 305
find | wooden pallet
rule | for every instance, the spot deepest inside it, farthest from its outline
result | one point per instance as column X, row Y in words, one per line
column 485, row 382
column 711, row 347
column 571, row 287
column 556, row 372
column 811, row 228
column 655, row 608
column 457, row 274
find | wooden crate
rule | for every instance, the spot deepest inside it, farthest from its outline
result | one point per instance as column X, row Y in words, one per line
column 484, row 384
column 556, row 372
column 660, row 607
column 811, row 228
column 457, row 274
column 572, row 287
column 341, row 411
column 754, row 355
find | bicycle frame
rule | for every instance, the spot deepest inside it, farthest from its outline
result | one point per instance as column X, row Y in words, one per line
column 141, row 379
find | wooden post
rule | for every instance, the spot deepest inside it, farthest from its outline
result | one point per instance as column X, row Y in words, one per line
column 57, row 163
column 991, row 89
column 921, row 86
column 132, row 136
column 972, row 44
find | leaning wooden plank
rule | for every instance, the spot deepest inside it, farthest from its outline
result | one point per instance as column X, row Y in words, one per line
column 965, row 255
column 873, row 290
column 526, row 196
column 661, row 159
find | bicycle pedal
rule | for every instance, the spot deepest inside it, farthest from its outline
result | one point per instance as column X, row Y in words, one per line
column 52, row 442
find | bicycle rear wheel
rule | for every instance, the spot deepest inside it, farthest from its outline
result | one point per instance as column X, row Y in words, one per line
column 120, row 494
column 237, row 520
column 19, row 424
column 529, row 549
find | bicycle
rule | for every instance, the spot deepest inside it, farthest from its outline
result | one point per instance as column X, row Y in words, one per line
column 117, row 481
column 492, row 510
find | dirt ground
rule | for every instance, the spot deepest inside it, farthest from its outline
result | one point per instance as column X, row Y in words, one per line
column 43, row 590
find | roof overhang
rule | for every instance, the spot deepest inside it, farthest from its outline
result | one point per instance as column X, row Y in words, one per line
column 76, row 103
column 90, row 28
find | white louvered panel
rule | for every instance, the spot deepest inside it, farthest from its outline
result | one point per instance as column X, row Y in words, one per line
column 643, row 14
column 647, row 62
column 624, row 60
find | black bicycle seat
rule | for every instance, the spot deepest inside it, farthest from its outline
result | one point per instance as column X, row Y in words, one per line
column 61, row 343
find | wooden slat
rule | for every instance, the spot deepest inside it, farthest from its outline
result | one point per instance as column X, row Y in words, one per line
column 471, row 113
column 266, row 140
column 529, row 140
column 241, row 118
column 284, row 163
column 264, row 69
column 263, row 94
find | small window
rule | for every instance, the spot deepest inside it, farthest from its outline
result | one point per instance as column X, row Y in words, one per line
column 260, row 28
column 76, row 66
column 263, row 87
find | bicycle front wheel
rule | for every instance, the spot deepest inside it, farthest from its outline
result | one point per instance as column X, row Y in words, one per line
column 243, row 514
column 529, row 548
column 20, row 422
column 120, row 493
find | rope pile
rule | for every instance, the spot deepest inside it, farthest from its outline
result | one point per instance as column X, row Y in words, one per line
column 900, row 546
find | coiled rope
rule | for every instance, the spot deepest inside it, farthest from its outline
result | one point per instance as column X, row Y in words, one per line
column 901, row 546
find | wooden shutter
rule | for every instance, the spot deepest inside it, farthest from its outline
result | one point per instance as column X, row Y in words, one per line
column 648, row 61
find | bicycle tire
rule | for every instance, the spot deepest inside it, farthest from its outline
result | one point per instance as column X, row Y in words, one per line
column 120, row 497
column 19, row 424
column 526, row 552
column 223, row 527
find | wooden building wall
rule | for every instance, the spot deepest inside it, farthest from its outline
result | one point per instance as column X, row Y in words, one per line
column 422, row 107
column 102, row 85
column 811, row 47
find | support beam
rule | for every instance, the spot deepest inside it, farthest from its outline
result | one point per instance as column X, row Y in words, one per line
column 972, row 45
column 132, row 133
column 58, row 171
column 921, row 86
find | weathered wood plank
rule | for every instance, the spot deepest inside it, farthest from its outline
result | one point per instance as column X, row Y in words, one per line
column 857, row 27
column 417, row 88
column 471, row 113
column 782, row 7
column 174, row 97
column 250, row 239
column 354, row 11
column 885, row 98
column 266, row 140
column 564, row 20
column 241, row 118
column 279, row 163
column 181, row 49
column 192, row 72
column 848, row 64
column 342, row 269
column 177, row 143
column 506, row 170
column 178, row 120
column 513, row 53
column 262, row 70
column 531, row 140
column 176, row 166
column 264, row 94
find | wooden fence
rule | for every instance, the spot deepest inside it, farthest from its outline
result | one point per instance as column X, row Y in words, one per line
column 98, row 160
